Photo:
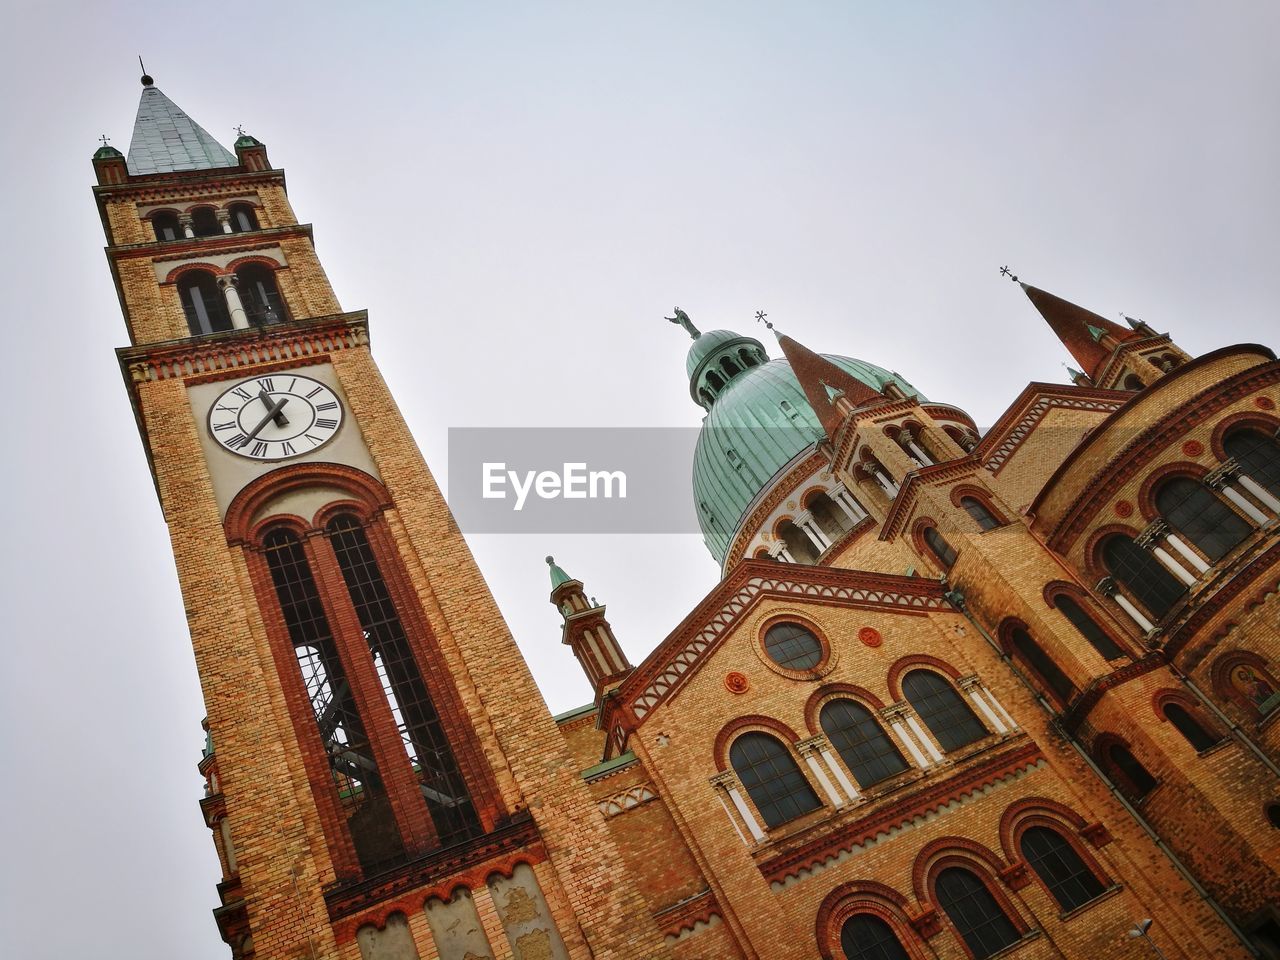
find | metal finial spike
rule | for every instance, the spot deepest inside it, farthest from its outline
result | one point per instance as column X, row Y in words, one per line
column 146, row 78
column 550, row 560
column 1006, row 272
column 761, row 318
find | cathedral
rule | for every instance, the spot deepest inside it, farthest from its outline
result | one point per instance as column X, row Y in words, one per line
column 956, row 695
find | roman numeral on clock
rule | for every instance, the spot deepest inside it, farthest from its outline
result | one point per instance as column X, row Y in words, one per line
column 286, row 449
column 267, row 384
column 242, row 393
column 331, row 405
column 325, row 424
column 259, row 449
column 229, row 425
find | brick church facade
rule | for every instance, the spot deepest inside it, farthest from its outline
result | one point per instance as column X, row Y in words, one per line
column 954, row 696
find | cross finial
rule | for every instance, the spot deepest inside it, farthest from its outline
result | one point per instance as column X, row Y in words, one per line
column 240, row 129
column 761, row 317
column 104, row 139
column 1006, row 272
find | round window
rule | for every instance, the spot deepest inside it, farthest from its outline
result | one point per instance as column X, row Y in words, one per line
column 792, row 647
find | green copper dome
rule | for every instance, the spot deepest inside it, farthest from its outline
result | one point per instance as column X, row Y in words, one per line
column 758, row 422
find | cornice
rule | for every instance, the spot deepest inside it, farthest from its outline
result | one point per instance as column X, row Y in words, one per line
column 214, row 356
column 1030, row 407
column 678, row 657
column 1079, row 711
column 682, row 918
column 187, row 247
column 1180, row 635
column 1125, row 463
column 162, row 184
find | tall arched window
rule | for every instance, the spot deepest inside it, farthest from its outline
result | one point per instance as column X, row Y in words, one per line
column 166, row 226
column 1059, row 867
column 1195, row 512
column 415, row 714
column 976, row 913
column 799, row 545
column 945, row 553
column 730, row 368
column 865, row 937
column 978, row 510
column 1034, row 655
column 832, row 520
column 943, row 710
column 1257, row 454
column 1191, row 729
column 1133, row 382
column 772, row 779
column 243, row 219
column 204, row 222
column 260, row 295
column 1145, row 577
column 1132, row 777
column 861, row 742
column 203, row 303
column 356, row 779
column 1098, row 638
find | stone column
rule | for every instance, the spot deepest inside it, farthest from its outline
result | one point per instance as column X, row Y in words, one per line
column 184, row 221
column 224, row 218
column 239, row 319
column 845, row 500
column 780, row 552
column 895, row 716
column 1157, row 531
column 1228, row 473
column 811, row 749
column 728, row 783
column 1108, row 587
column 987, row 704
column 917, row 454
column 806, row 523
column 888, row 486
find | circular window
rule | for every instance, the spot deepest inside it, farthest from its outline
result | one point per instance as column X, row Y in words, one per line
column 792, row 647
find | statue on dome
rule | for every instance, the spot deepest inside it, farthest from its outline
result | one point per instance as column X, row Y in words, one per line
column 682, row 318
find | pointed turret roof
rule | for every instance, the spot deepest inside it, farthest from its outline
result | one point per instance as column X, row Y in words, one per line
column 1081, row 331
column 165, row 139
column 823, row 381
column 558, row 577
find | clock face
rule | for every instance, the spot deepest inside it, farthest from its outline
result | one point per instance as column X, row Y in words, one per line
column 275, row 417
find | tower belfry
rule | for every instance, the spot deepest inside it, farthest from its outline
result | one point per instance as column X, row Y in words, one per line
column 375, row 740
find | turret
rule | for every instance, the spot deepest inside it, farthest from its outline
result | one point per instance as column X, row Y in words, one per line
column 587, row 632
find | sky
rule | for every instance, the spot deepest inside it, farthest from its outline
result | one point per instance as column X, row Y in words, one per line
column 518, row 193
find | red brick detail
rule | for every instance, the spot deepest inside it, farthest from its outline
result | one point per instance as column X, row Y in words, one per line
column 836, row 691
column 1264, row 403
column 1097, row 834
column 1193, row 449
column 745, row 725
column 983, row 496
column 870, row 637
column 362, row 488
column 1015, row 875
column 865, row 897
column 900, row 667
column 1123, row 508
column 1095, row 568
column 1246, row 418
column 173, row 275
column 736, row 683
column 267, row 262
column 687, row 914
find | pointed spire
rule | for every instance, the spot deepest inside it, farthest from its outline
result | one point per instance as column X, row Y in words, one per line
column 558, row 576
column 824, row 383
column 1089, row 337
column 165, row 139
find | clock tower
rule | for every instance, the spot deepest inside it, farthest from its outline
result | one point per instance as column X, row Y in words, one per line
column 382, row 777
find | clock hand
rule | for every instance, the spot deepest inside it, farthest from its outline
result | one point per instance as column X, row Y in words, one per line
column 272, row 411
column 280, row 419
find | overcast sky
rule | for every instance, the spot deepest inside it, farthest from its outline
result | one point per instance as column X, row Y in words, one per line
column 517, row 194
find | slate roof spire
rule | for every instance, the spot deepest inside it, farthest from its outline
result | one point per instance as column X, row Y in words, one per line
column 1091, row 339
column 165, row 139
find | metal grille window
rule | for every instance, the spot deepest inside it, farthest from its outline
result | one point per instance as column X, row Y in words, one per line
column 1194, row 511
column 772, row 779
column 1043, row 664
column 864, row 937
column 243, row 219
column 351, row 761
column 1059, row 867
column 976, row 913
column 260, row 295
column 419, row 724
column 1190, row 728
column 203, row 303
column 1134, row 779
column 978, row 510
column 943, row 710
column 861, row 742
column 1137, row 569
column 1257, row 454
column 792, row 646
column 945, row 553
column 1089, row 629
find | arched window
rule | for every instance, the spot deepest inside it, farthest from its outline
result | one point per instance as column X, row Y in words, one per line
column 730, row 368
column 978, row 510
column 1098, row 638
column 203, row 303
column 424, row 738
column 831, row 519
column 204, row 222
column 1195, row 512
column 1050, row 673
column 1133, row 778
column 243, row 219
column 865, row 937
column 792, row 646
column 943, row 710
column 976, row 913
column 799, row 545
column 945, row 553
column 356, row 779
column 1191, row 729
column 714, row 381
column 861, row 742
column 1133, row 382
column 166, row 226
column 772, row 779
column 1059, row 867
column 747, row 357
column 1257, row 454
column 260, row 295
column 1145, row 577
